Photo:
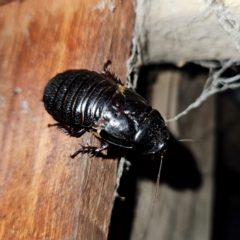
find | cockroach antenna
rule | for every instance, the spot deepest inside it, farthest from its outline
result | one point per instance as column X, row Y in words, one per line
column 188, row 140
column 157, row 183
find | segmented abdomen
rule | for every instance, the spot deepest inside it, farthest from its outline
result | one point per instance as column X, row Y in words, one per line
column 78, row 96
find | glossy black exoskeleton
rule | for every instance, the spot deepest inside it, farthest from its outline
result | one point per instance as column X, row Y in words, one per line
column 83, row 100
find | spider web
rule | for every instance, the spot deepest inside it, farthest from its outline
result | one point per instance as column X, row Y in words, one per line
column 215, row 82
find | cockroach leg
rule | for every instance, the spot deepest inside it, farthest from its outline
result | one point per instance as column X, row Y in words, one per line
column 105, row 66
column 110, row 75
column 91, row 150
column 73, row 131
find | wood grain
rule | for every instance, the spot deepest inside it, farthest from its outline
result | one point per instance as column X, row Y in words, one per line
column 44, row 194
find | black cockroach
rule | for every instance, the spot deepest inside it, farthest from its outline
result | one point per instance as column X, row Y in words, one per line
column 83, row 100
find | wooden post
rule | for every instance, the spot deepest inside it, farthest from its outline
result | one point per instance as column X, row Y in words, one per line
column 183, row 207
column 44, row 194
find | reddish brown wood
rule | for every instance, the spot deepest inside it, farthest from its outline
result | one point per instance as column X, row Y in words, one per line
column 44, row 194
column 2, row 2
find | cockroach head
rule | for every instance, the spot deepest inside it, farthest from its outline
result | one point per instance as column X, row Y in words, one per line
column 152, row 136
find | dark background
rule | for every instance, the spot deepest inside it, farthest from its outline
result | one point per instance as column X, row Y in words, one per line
column 185, row 174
